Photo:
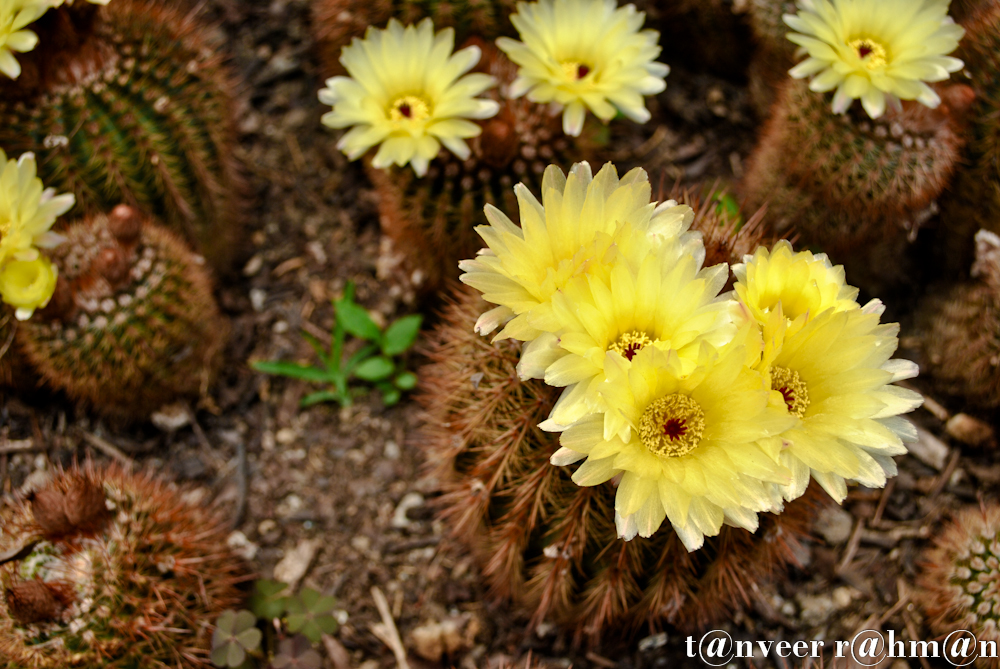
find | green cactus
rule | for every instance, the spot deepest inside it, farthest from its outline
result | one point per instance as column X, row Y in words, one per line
column 130, row 103
column 959, row 577
column 548, row 544
column 132, row 323
column 337, row 22
column 138, row 587
column 842, row 179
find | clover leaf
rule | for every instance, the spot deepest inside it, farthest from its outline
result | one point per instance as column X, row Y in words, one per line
column 311, row 614
column 235, row 635
column 265, row 601
column 296, row 653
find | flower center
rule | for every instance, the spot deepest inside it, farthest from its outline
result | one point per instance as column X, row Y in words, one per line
column 409, row 108
column 792, row 388
column 672, row 426
column 630, row 343
column 574, row 70
column 870, row 52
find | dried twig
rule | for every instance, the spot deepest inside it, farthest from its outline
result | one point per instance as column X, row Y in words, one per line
column 17, row 446
column 108, row 449
column 386, row 630
column 883, row 502
column 945, row 475
column 852, row 546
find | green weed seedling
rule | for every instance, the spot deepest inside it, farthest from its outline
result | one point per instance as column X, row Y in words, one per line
column 375, row 362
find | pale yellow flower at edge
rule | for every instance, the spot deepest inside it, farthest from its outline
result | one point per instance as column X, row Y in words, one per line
column 27, row 210
column 406, row 92
column 14, row 16
column 27, row 285
column 585, row 54
column 878, row 51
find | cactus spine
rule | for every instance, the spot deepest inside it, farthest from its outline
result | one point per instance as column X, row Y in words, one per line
column 961, row 335
column 843, row 179
column 128, row 103
column 136, row 587
column 132, row 323
column 960, row 577
column 546, row 543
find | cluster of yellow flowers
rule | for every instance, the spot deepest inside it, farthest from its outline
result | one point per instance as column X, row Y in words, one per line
column 406, row 90
column 27, row 212
column 879, row 52
column 705, row 409
column 15, row 16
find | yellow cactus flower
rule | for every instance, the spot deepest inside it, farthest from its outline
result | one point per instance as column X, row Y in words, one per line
column 685, row 444
column 835, row 375
column 668, row 306
column 803, row 283
column 407, row 94
column 585, row 54
column 875, row 51
column 14, row 16
column 582, row 224
column 27, row 285
column 27, row 210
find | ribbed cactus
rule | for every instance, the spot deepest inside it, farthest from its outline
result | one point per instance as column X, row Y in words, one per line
column 548, row 544
column 430, row 221
column 116, row 571
column 132, row 323
column 961, row 330
column 841, row 179
column 337, row 22
column 774, row 55
column 960, row 579
column 130, row 103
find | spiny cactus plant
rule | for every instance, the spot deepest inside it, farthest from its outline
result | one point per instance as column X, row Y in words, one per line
column 960, row 579
column 840, row 179
column 116, row 569
column 774, row 54
column 337, row 22
column 130, row 103
column 132, row 323
column 961, row 340
column 544, row 542
column 429, row 223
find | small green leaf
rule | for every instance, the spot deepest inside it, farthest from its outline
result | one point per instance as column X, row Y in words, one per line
column 406, row 381
column 324, row 396
column 374, row 369
column 235, row 635
column 292, row 370
column 311, row 614
column 401, row 334
column 356, row 320
column 390, row 396
column 265, row 602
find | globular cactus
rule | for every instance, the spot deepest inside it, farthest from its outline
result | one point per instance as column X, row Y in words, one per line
column 115, row 570
column 774, row 54
column 337, row 22
column 548, row 544
column 130, row 103
column 961, row 330
column 960, row 579
column 429, row 222
column 844, row 179
column 132, row 324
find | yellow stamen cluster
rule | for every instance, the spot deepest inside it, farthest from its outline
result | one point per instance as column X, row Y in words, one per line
column 698, row 405
column 672, row 426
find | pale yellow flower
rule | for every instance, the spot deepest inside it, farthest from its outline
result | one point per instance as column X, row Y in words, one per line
column 585, row 54
column 684, row 443
column 27, row 285
column 664, row 305
column 875, row 50
column 406, row 93
column 835, row 376
column 14, row 16
column 27, row 210
column 583, row 223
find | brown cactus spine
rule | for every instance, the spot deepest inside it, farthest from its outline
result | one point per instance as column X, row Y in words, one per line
column 138, row 586
column 547, row 544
